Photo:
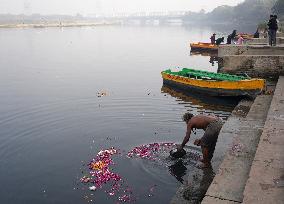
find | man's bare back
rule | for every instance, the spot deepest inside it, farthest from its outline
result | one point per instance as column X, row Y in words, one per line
column 201, row 121
column 211, row 125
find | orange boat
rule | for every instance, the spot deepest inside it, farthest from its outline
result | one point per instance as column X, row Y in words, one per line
column 200, row 46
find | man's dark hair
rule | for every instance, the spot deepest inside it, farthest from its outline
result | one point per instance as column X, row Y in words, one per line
column 271, row 16
column 187, row 116
column 275, row 16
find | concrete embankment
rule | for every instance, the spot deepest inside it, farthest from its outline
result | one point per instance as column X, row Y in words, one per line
column 225, row 50
column 266, row 178
column 254, row 65
column 253, row 168
column 229, row 183
column 280, row 35
column 256, row 58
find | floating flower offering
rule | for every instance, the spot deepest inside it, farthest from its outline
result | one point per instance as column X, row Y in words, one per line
column 148, row 151
column 100, row 172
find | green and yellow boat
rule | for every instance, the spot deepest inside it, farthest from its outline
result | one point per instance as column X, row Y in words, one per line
column 214, row 84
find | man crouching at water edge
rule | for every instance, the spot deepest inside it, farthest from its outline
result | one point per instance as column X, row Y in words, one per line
column 212, row 126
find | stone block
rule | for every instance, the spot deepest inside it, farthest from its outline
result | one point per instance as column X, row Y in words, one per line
column 280, row 34
column 253, row 65
column 224, row 50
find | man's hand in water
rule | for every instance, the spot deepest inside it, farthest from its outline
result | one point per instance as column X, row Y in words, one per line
column 197, row 142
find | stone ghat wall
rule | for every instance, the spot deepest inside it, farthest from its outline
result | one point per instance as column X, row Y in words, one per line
column 279, row 34
column 264, row 41
column 225, row 50
column 254, row 65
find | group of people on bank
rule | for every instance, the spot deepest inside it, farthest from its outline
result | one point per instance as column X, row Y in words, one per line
column 233, row 38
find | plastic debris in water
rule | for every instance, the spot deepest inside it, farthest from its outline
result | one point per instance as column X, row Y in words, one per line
column 92, row 188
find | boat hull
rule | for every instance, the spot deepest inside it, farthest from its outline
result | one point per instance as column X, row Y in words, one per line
column 208, row 47
column 215, row 88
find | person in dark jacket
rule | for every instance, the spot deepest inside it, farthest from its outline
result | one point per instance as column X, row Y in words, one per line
column 229, row 39
column 233, row 35
column 272, row 29
column 219, row 41
column 212, row 38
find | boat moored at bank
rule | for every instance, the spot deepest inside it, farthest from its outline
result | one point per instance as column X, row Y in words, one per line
column 214, row 84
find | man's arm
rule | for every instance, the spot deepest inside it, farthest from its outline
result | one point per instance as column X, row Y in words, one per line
column 187, row 135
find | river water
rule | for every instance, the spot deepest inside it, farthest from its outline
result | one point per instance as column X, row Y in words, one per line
column 68, row 93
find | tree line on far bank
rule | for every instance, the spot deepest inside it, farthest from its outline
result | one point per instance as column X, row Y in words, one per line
column 248, row 12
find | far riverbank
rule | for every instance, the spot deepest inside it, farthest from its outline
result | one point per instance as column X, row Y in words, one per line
column 56, row 24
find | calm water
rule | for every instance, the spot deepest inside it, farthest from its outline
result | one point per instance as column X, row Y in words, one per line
column 53, row 122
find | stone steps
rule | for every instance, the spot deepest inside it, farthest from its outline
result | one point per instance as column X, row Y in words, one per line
column 255, row 41
column 266, row 178
column 229, row 183
column 225, row 139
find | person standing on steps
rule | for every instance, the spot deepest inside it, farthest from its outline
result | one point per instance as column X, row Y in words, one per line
column 272, row 29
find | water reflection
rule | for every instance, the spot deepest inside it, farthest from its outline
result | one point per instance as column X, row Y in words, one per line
column 221, row 107
column 179, row 167
column 204, row 53
column 195, row 181
column 198, row 183
column 214, row 59
column 178, row 170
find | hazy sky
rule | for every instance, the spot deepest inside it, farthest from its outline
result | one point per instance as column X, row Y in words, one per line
column 107, row 6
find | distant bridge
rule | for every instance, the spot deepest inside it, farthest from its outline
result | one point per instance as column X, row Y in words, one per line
column 143, row 17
